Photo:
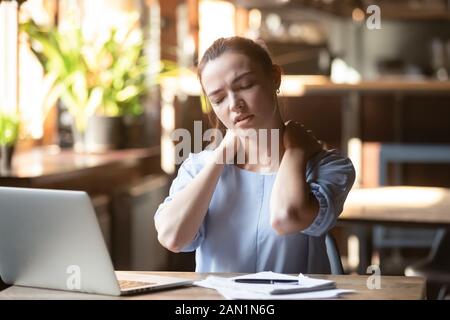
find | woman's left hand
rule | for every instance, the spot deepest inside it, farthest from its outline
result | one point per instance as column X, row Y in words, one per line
column 296, row 136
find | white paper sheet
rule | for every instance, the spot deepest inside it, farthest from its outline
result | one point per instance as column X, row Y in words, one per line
column 307, row 288
column 245, row 295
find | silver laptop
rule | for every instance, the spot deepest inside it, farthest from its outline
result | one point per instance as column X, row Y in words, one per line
column 51, row 239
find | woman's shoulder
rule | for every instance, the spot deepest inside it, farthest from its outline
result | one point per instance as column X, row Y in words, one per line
column 330, row 159
column 328, row 155
column 200, row 157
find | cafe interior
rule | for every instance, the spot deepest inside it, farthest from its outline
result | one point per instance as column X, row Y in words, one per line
column 91, row 92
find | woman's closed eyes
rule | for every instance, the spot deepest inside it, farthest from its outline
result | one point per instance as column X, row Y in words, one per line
column 243, row 86
column 217, row 101
column 246, row 86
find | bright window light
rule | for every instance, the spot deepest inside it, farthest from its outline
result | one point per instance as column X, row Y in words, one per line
column 400, row 197
column 8, row 56
column 216, row 19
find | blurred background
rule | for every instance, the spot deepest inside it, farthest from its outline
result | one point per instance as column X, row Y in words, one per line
column 90, row 92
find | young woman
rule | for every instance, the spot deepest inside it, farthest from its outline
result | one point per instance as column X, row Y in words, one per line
column 272, row 214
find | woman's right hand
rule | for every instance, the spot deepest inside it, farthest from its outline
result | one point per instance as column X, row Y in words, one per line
column 229, row 146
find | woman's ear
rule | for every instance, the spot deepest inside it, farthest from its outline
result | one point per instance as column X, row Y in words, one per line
column 276, row 74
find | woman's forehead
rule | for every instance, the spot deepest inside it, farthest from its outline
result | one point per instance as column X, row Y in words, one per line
column 226, row 67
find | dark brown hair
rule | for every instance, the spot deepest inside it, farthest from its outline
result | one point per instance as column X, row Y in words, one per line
column 253, row 50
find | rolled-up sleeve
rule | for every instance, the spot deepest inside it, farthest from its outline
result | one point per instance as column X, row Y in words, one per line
column 330, row 177
column 187, row 171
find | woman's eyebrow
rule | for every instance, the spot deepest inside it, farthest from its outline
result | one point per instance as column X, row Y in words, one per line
column 239, row 77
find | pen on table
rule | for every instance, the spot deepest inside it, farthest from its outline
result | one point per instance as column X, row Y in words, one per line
column 267, row 281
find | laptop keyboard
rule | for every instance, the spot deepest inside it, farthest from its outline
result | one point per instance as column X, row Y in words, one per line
column 129, row 284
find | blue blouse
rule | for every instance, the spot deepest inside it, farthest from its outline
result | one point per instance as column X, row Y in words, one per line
column 236, row 235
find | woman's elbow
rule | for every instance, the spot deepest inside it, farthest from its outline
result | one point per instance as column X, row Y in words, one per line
column 170, row 243
column 289, row 220
column 167, row 239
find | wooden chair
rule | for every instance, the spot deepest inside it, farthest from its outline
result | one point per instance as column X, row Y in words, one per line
column 401, row 206
column 389, row 237
column 436, row 268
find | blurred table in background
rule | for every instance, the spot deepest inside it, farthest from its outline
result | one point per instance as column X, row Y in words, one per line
column 427, row 207
column 52, row 167
column 405, row 206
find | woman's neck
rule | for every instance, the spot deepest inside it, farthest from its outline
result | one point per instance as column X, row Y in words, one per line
column 262, row 152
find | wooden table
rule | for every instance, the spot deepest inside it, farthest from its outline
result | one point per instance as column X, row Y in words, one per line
column 55, row 168
column 424, row 207
column 392, row 288
column 404, row 206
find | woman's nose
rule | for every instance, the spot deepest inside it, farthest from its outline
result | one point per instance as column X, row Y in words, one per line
column 236, row 102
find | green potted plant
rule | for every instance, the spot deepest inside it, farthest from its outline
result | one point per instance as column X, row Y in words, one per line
column 119, row 67
column 9, row 132
column 100, row 83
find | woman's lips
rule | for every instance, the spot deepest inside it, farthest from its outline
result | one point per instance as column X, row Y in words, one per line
column 244, row 119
